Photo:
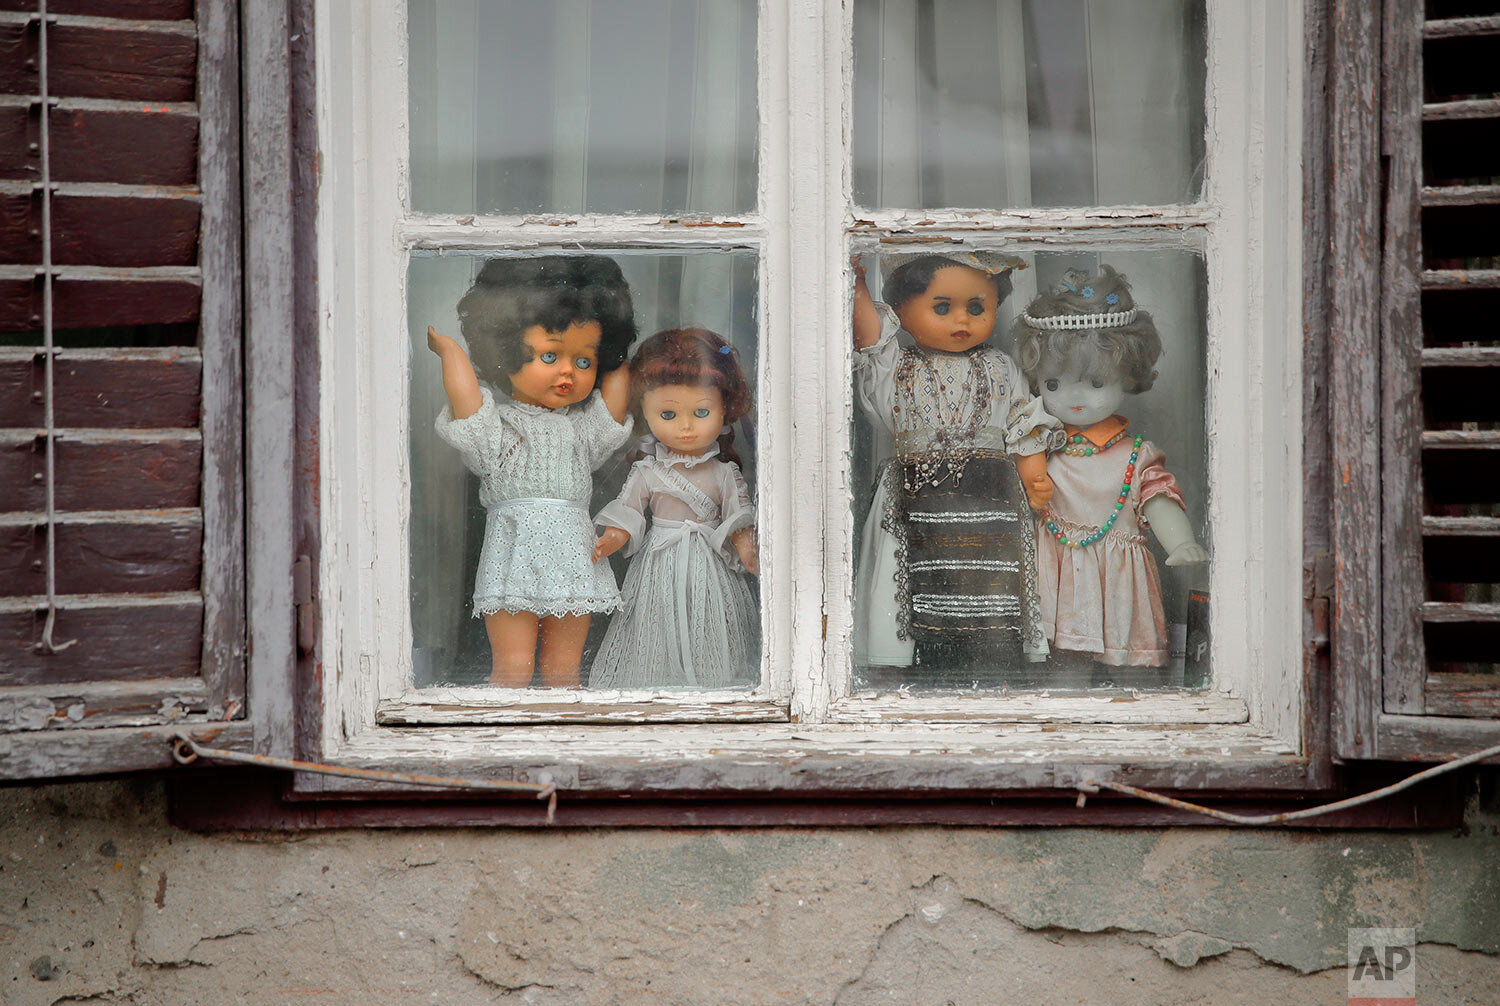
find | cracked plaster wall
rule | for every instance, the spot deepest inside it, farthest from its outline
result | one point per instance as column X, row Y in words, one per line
column 101, row 900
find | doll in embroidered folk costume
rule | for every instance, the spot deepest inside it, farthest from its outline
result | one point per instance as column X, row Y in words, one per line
column 947, row 574
column 689, row 618
column 1086, row 345
column 525, row 413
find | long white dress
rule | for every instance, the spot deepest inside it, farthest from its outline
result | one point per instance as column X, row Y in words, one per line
column 1015, row 422
column 535, row 470
column 689, row 618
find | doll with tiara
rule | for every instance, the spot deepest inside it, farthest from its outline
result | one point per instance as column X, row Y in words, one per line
column 1086, row 345
column 947, row 572
column 689, row 618
column 534, row 407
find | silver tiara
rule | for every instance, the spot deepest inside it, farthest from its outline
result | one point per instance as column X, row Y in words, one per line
column 1109, row 319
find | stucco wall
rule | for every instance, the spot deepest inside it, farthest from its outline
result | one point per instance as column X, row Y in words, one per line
column 101, row 900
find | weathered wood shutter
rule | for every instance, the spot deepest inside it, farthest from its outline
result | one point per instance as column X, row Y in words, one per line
column 119, row 190
column 1439, row 693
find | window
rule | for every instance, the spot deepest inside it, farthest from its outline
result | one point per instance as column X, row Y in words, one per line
column 721, row 159
column 1239, row 222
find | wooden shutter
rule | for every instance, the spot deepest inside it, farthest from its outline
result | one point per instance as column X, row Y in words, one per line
column 129, row 207
column 1440, row 381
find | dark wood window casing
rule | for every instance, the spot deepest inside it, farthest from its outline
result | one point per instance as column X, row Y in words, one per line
column 140, row 194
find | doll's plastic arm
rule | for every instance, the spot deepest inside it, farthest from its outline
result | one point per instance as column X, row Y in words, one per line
column 1174, row 531
column 1038, row 484
column 614, row 388
column 611, row 541
column 748, row 551
column 866, row 318
column 459, row 380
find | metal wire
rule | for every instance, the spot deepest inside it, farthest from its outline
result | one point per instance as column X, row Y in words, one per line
column 186, row 751
column 49, row 350
column 1090, row 786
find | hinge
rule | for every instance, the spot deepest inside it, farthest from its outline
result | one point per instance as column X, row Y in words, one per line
column 306, row 607
column 1319, row 598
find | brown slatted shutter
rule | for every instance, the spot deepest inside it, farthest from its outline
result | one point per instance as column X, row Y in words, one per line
column 1441, row 379
column 125, row 531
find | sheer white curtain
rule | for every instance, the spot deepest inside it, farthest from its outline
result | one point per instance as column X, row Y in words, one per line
column 570, row 106
column 1008, row 104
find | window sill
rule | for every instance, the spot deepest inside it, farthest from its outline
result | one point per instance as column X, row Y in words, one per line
column 830, row 759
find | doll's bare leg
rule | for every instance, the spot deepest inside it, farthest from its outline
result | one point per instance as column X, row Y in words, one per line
column 512, row 647
column 562, row 649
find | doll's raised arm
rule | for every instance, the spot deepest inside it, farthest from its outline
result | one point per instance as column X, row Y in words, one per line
column 459, row 379
column 614, row 388
column 866, row 319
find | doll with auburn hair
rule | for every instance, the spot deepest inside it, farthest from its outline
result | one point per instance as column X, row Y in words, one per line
column 689, row 618
column 1086, row 345
column 947, row 573
column 526, row 415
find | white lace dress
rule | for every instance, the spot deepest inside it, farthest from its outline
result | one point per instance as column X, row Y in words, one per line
column 689, row 618
column 535, row 470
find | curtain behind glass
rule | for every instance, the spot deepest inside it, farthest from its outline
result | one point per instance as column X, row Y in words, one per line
column 1000, row 104
column 582, row 106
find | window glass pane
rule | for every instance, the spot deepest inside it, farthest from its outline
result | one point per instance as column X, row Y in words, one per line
column 502, row 502
column 960, row 583
column 600, row 106
column 1020, row 103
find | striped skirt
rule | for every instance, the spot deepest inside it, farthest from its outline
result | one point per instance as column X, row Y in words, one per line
column 966, row 565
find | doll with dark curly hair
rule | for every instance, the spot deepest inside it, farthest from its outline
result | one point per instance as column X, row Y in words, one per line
column 1085, row 345
column 689, row 617
column 537, row 404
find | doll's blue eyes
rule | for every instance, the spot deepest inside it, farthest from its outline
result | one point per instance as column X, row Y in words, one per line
column 1052, row 385
column 701, row 413
column 549, row 358
column 668, row 415
column 976, row 308
column 940, row 308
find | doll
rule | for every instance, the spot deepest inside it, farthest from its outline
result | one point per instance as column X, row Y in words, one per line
column 689, row 617
column 524, row 412
column 1086, row 345
column 947, row 573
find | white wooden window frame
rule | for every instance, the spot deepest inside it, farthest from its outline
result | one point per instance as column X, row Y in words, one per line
column 1247, row 224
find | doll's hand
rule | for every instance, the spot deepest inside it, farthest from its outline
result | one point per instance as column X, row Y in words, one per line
column 441, row 344
column 749, row 553
column 1190, row 554
column 611, row 541
column 1039, row 491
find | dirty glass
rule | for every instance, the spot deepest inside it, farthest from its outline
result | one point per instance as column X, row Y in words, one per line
column 691, row 615
column 1024, row 103
column 972, row 367
column 582, row 106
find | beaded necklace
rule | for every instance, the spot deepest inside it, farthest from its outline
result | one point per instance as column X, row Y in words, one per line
column 1079, row 446
column 948, row 454
column 1057, row 532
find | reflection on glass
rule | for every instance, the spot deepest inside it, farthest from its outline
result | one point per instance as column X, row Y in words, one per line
column 516, row 544
column 599, row 106
column 1020, row 103
column 1019, row 503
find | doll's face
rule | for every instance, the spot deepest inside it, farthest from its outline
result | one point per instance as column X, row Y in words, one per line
column 562, row 367
column 687, row 419
column 1081, row 399
column 956, row 312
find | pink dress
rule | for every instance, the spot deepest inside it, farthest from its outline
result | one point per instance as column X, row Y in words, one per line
column 1104, row 599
